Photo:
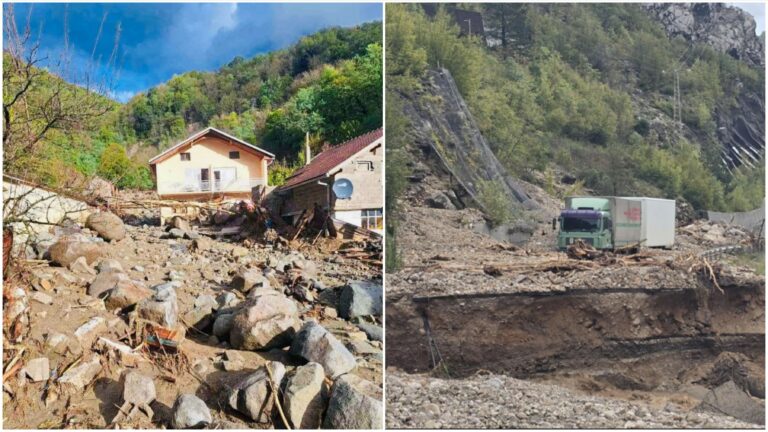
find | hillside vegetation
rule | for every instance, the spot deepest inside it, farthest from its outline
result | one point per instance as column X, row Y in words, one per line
column 586, row 90
column 327, row 84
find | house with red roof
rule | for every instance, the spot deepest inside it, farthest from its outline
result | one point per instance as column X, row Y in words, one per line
column 346, row 180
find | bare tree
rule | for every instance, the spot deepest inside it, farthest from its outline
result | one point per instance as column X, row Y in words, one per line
column 37, row 102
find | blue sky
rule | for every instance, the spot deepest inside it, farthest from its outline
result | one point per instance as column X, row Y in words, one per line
column 159, row 40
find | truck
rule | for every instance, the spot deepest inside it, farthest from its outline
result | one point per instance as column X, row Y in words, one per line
column 613, row 222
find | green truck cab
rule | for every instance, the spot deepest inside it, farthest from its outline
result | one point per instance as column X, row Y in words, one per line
column 613, row 222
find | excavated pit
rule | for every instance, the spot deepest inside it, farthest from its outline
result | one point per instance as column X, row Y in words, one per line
column 622, row 339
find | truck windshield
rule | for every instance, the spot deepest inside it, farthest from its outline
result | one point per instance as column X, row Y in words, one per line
column 572, row 223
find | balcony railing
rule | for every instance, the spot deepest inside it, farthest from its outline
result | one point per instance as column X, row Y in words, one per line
column 238, row 185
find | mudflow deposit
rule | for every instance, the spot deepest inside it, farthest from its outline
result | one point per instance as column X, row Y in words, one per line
column 138, row 326
column 495, row 328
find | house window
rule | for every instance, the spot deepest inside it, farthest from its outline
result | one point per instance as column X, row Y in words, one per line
column 234, row 155
column 365, row 165
column 372, row 219
column 185, row 156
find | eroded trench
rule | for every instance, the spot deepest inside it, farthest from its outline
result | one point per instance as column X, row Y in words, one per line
column 633, row 339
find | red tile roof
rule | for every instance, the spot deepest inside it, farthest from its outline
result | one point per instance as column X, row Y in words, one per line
column 329, row 159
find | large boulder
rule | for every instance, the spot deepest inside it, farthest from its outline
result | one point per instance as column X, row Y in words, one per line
column 65, row 251
column 355, row 404
column 360, row 298
column 162, row 308
column 107, row 225
column 267, row 320
column 316, row 344
column 729, row 399
column 190, row 412
column 253, row 395
column 304, row 397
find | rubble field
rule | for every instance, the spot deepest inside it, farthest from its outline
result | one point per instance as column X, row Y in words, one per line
column 138, row 326
column 675, row 334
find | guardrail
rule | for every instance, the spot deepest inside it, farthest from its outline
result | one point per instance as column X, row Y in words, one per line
column 237, row 185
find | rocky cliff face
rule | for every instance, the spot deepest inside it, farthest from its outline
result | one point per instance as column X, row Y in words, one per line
column 730, row 30
column 727, row 29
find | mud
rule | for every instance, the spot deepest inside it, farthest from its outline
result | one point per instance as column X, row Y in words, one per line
column 621, row 339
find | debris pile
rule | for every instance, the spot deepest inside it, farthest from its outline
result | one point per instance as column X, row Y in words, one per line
column 127, row 326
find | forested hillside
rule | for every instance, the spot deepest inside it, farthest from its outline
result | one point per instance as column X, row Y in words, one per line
column 327, row 84
column 600, row 94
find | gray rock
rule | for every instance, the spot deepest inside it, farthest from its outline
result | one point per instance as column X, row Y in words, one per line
column 138, row 389
column 77, row 378
column 729, row 399
column 253, row 395
column 373, row 331
column 191, row 235
column 106, row 281
column 80, row 265
column 223, row 325
column 247, row 279
column 268, row 320
column 360, row 298
column 190, row 412
column 38, row 369
column 87, row 333
column 107, row 225
column 355, row 404
column 108, row 265
column 316, row 344
column 440, row 201
column 176, row 233
column 304, row 397
column 162, row 308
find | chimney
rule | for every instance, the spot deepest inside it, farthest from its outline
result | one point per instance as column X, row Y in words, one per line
column 307, row 151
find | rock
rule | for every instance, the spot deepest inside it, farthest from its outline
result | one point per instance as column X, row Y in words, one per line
column 78, row 377
column 191, row 235
column 109, row 265
column 138, row 389
column 162, row 308
column 38, row 369
column 176, row 233
column 440, row 201
column 304, row 398
column 314, row 343
column 126, row 293
column 124, row 353
column 729, row 399
column 201, row 244
column 239, row 251
column 80, row 265
column 180, row 223
column 104, row 282
column 65, row 251
column 221, row 217
column 362, row 347
column 190, row 412
column 223, row 325
column 373, row 331
column 355, row 404
column 107, row 225
column 88, row 332
column 253, row 395
column 227, row 300
column 247, row 279
column 268, row 320
column 360, row 298
column 41, row 298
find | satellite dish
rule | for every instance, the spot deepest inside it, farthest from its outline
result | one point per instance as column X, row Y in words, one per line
column 342, row 188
